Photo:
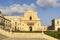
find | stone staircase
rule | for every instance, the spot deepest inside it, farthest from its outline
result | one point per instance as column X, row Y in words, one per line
column 3, row 37
column 5, row 34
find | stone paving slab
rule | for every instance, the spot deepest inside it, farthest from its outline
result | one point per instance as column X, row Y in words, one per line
column 25, row 39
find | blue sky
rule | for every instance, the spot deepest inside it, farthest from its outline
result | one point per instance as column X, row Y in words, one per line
column 47, row 11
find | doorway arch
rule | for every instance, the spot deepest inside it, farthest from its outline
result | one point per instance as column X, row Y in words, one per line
column 30, row 28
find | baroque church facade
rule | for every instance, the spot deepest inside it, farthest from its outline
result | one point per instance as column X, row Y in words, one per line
column 30, row 21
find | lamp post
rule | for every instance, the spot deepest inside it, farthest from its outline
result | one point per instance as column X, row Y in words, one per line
column 10, row 28
column 42, row 31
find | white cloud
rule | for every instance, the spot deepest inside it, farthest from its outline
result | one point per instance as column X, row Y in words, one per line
column 16, row 8
column 44, row 3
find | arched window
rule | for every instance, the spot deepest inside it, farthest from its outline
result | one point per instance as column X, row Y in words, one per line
column 30, row 18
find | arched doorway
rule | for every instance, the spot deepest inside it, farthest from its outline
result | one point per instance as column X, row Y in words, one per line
column 30, row 28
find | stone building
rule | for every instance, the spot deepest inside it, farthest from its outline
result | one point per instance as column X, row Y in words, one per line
column 56, row 24
column 4, row 23
column 15, row 22
column 29, row 22
column 7, row 24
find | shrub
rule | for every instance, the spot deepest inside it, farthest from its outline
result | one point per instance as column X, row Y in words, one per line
column 53, row 34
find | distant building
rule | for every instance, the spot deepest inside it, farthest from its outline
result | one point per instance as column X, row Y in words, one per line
column 56, row 24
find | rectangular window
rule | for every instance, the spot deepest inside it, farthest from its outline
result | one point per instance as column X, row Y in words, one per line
column 57, row 22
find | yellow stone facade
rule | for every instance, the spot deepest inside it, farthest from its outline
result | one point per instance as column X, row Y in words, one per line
column 29, row 22
column 15, row 22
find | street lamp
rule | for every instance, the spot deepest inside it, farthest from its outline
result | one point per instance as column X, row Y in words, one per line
column 42, row 31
